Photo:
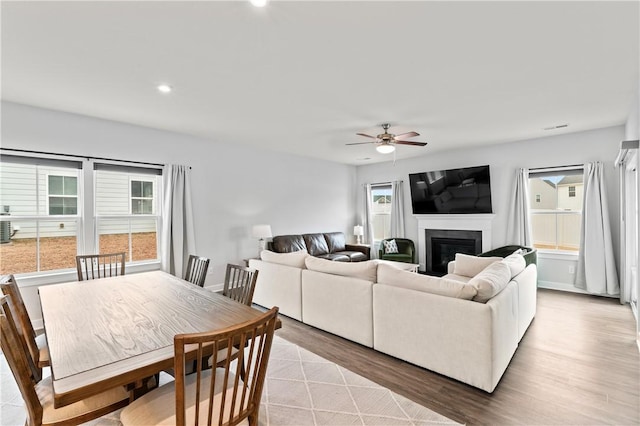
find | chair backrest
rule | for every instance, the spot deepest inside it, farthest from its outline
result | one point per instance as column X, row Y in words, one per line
column 196, row 271
column 239, row 283
column 20, row 315
column 220, row 396
column 18, row 359
column 92, row 266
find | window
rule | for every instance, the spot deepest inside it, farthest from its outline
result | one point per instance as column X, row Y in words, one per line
column 127, row 209
column 556, row 220
column 47, row 214
column 40, row 219
column 381, row 212
column 63, row 195
column 142, row 197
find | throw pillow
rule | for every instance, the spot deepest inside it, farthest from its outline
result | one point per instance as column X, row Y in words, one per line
column 363, row 270
column 410, row 280
column 470, row 266
column 516, row 263
column 491, row 281
column 390, row 247
column 295, row 259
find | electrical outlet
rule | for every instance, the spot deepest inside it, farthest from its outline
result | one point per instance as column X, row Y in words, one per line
column 572, row 269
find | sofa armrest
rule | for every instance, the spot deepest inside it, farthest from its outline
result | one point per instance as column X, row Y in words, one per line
column 366, row 250
column 466, row 340
column 451, row 266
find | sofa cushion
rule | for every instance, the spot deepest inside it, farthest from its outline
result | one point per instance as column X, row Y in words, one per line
column 354, row 256
column 390, row 247
column 516, row 263
column 335, row 241
column 470, row 266
column 363, row 270
column 336, row 257
column 316, row 244
column 393, row 276
column 288, row 243
column 491, row 281
column 295, row 259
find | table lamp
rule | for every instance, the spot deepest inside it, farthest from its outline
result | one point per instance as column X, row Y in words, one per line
column 261, row 232
column 358, row 231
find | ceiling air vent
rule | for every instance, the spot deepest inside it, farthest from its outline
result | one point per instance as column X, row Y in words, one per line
column 559, row 126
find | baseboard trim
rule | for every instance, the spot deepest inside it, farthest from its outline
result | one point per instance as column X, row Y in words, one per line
column 551, row 285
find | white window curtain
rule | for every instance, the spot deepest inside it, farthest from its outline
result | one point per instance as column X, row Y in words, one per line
column 367, row 220
column 519, row 220
column 596, row 271
column 397, row 209
column 178, row 233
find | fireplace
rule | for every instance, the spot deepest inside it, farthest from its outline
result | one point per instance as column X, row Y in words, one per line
column 460, row 222
column 443, row 244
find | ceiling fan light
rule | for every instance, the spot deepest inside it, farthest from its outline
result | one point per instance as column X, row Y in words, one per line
column 385, row 148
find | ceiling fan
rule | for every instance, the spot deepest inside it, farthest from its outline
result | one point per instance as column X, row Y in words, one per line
column 386, row 141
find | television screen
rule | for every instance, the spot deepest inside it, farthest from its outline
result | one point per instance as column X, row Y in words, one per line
column 456, row 191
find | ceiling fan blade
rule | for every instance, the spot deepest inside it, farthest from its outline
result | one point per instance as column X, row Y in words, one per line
column 411, row 143
column 406, row 135
column 358, row 143
column 366, row 136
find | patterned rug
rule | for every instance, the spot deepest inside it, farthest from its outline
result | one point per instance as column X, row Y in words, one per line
column 301, row 389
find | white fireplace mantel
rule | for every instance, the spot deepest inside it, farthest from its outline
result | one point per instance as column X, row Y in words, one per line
column 461, row 222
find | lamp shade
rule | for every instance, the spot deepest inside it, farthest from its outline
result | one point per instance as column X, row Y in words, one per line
column 358, row 231
column 261, row 231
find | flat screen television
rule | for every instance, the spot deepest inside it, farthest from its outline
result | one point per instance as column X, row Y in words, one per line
column 455, row 191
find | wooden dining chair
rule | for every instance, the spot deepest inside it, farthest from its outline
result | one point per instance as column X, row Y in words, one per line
column 37, row 345
column 213, row 396
column 92, row 266
column 196, row 272
column 13, row 321
column 239, row 283
column 38, row 397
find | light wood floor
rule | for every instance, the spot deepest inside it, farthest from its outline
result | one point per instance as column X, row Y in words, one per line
column 577, row 364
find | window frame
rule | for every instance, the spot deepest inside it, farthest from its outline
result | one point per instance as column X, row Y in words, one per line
column 85, row 219
column 387, row 230
column 556, row 171
column 131, row 218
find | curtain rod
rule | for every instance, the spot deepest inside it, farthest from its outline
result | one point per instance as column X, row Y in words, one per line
column 26, row 151
column 572, row 166
column 384, row 183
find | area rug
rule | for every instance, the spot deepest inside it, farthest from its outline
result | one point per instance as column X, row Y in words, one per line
column 305, row 389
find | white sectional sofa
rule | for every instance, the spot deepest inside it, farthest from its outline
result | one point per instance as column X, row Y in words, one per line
column 465, row 325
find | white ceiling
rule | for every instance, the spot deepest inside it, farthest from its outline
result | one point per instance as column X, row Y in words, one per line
column 304, row 77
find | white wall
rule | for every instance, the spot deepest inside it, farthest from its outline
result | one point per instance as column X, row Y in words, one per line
column 234, row 187
column 504, row 159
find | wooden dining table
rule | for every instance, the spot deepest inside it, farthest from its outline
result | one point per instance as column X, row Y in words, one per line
column 118, row 331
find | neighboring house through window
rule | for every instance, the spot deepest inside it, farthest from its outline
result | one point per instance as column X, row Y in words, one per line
column 47, row 216
column 63, row 195
column 381, row 214
column 556, row 208
column 142, row 197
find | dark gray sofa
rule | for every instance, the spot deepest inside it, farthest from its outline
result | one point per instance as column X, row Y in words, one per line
column 326, row 245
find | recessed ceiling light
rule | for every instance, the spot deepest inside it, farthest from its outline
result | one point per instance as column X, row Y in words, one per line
column 259, row 3
column 164, row 88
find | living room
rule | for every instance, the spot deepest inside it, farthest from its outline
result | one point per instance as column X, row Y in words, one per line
column 239, row 180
